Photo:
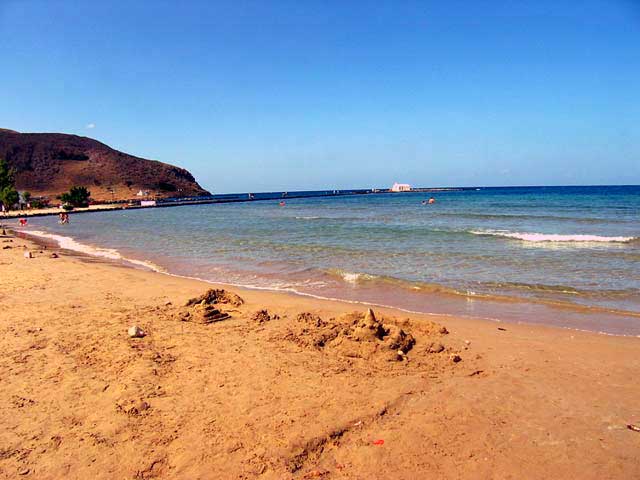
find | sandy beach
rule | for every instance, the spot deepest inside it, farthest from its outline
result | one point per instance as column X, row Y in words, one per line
column 291, row 387
column 407, row 244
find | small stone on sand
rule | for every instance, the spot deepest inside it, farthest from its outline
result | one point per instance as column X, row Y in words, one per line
column 136, row 332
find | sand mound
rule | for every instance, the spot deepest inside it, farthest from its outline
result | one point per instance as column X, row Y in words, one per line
column 216, row 296
column 354, row 335
column 202, row 309
column 262, row 316
column 202, row 313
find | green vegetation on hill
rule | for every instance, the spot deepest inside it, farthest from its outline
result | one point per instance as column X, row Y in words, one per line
column 8, row 193
column 76, row 197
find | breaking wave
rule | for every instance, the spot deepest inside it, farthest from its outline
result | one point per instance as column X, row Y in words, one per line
column 352, row 277
column 545, row 237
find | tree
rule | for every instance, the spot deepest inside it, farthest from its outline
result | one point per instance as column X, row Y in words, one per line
column 8, row 193
column 77, row 197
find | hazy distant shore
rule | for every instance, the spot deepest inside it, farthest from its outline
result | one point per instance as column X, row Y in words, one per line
column 217, row 198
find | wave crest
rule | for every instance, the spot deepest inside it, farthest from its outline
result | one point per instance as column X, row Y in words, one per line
column 552, row 237
column 352, row 277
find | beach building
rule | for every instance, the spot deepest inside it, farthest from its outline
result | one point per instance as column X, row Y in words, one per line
column 401, row 187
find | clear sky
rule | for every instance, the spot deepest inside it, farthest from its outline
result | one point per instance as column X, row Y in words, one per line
column 286, row 95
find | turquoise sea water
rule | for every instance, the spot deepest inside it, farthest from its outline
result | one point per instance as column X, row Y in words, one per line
column 565, row 256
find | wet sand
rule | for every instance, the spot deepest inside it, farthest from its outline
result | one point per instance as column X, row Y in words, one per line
column 307, row 389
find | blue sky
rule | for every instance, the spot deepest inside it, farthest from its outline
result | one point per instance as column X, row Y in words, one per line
column 286, row 95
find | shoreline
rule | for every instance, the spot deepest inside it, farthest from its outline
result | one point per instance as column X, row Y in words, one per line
column 553, row 307
column 286, row 389
column 299, row 297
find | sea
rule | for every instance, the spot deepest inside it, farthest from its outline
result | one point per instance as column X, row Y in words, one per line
column 561, row 256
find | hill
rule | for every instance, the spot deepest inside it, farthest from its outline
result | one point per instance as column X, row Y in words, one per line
column 47, row 164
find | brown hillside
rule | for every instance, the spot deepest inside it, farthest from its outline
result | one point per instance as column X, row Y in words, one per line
column 50, row 163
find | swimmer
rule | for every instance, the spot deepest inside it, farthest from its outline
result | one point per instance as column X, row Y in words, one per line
column 282, row 204
column 432, row 201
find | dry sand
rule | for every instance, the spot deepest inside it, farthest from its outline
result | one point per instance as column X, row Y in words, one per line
column 305, row 389
column 40, row 212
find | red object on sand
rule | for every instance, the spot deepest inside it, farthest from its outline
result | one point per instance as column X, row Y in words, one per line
column 378, row 442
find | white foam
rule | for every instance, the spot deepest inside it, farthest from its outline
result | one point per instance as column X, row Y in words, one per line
column 544, row 237
column 69, row 243
column 351, row 277
column 354, row 277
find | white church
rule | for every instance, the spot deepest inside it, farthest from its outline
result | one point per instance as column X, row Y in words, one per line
column 401, row 187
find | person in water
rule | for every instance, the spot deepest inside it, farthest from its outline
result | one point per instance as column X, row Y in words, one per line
column 432, row 201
